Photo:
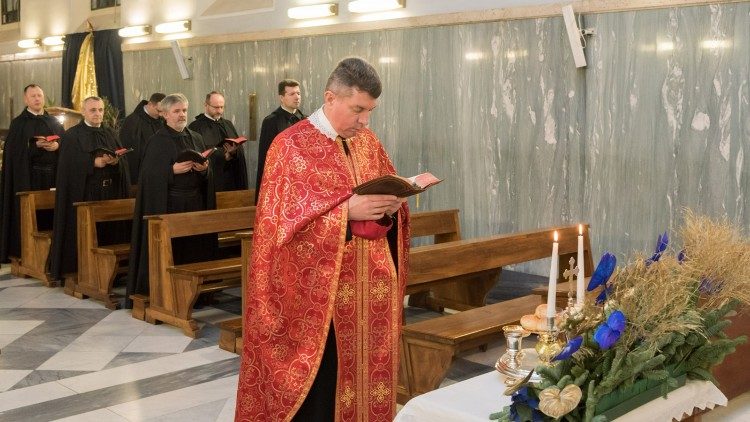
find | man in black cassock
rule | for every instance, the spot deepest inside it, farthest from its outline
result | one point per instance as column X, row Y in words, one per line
column 167, row 186
column 140, row 125
column 229, row 169
column 29, row 163
column 286, row 115
column 85, row 173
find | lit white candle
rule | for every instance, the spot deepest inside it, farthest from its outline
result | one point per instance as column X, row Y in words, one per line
column 581, row 273
column 552, row 289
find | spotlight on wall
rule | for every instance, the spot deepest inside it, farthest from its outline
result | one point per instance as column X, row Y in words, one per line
column 30, row 43
column 369, row 6
column 134, row 31
column 54, row 40
column 314, row 11
column 172, row 27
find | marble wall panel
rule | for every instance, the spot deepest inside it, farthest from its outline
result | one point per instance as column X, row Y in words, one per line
column 14, row 76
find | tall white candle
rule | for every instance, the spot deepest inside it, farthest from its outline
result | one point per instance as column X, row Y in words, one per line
column 552, row 289
column 581, row 273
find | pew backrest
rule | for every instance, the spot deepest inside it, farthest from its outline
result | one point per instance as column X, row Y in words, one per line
column 443, row 225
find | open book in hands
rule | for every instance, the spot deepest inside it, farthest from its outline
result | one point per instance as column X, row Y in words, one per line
column 117, row 153
column 47, row 139
column 232, row 141
column 194, row 156
column 396, row 185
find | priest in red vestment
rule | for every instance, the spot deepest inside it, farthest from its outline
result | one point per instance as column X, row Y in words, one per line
column 328, row 269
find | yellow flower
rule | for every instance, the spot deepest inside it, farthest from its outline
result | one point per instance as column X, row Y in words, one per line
column 556, row 403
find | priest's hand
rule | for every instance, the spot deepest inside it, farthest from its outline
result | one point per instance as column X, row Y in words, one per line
column 104, row 160
column 200, row 168
column 372, row 207
column 48, row 146
column 182, row 167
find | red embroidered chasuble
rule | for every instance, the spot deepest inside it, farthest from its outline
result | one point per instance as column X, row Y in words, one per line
column 303, row 274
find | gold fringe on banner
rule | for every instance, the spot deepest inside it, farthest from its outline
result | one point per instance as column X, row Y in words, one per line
column 84, row 84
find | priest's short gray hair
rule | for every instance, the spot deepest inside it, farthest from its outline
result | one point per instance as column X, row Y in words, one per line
column 173, row 99
column 354, row 72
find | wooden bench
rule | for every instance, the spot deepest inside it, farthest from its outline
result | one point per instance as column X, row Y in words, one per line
column 469, row 268
column 99, row 266
column 460, row 262
column 429, row 347
column 443, row 225
column 35, row 244
column 174, row 289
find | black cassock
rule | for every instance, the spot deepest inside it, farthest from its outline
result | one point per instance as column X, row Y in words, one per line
column 25, row 168
column 160, row 191
column 228, row 174
column 136, row 129
column 78, row 181
column 275, row 123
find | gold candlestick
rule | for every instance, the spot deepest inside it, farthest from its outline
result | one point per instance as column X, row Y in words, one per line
column 547, row 347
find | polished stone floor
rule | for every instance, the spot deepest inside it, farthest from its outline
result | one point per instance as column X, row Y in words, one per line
column 68, row 359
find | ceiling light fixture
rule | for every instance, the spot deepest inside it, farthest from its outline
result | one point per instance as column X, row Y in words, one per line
column 369, row 6
column 173, row 27
column 54, row 40
column 134, row 31
column 30, row 43
column 314, row 11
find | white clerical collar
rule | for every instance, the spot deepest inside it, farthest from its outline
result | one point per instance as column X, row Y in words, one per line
column 35, row 114
column 321, row 122
column 89, row 124
column 211, row 118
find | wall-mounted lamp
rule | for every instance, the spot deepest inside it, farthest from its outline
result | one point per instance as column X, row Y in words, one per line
column 30, row 43
column 369, row 6
column 134, row 31
column 54, row 40
column 313, row 11
column 172, row 27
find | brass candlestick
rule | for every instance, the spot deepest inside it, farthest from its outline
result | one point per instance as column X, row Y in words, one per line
column 547, row 347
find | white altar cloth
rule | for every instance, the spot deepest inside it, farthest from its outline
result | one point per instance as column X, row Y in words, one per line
column 476, row 398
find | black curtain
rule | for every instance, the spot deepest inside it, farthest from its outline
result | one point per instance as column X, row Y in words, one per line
column 108, row 62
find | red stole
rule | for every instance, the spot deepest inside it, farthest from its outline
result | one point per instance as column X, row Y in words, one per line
column 303, row 274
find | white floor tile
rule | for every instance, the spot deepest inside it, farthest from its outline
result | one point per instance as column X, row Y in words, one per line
column 66, row 360
column 141, row 370
column 15, row 282
column 227, row 413
column 177, row 400
column 39, row 393
column 14, row 297
column 100, row 415
column 6, row 339
column 158, row 344
column 9, row 377
column 5, row 269
column 53, row 299
column 162, row 330
column 93, row 343
column 213, row 315
column 16, row 326
column 208, row 412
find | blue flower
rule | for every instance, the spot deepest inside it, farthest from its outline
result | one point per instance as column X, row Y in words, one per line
column 570, row 348
column 603, row 271
column 709, row 286
column 607, row 334
column 681, row 256
column 661, row 246
column 606, row 291
column 521, row 400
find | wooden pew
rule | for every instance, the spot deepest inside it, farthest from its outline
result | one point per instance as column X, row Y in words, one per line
column 98, row 266
column 424, row 344
column 173, row 289
column 35, row 244
column 429, row 347
column 443, row 225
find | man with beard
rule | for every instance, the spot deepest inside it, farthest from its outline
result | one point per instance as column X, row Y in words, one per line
column 169, row 186
column 286, row 115
column 29, row 163
column 328, row 269
column 87, row 171
column 140, row 125
column 229, row 168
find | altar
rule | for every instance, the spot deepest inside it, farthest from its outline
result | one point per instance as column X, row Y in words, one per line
column 476, row 398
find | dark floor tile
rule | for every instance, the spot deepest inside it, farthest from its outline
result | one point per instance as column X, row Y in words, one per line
column 40, row 377
column 20, row 359
column 127, row 358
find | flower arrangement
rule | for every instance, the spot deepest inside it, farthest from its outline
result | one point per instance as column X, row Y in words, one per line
column 654, row 322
